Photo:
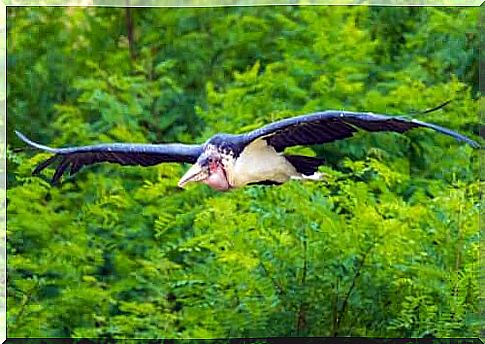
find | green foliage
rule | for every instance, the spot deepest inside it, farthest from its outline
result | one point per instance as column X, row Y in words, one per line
column 386, row 245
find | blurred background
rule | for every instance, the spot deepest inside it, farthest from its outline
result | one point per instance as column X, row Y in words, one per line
column 386, row 246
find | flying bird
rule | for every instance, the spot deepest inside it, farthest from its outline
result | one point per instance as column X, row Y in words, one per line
column 227, row 161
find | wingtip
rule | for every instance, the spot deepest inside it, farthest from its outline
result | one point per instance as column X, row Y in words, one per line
column 475, row 144
column 34, row 144
column 21, row 136
column 472, row 143
column 457, row 136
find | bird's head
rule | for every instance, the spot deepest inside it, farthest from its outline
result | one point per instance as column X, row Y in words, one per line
column 210, row 168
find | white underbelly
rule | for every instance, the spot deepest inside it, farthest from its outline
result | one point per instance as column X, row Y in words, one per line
column 259, row 162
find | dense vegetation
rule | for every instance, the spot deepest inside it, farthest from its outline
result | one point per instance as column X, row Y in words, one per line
column 387, row 245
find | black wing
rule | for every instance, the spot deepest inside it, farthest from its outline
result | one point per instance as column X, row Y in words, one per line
column 74, row 158
column 328, row 126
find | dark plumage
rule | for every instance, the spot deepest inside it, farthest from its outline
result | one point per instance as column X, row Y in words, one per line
column 227, row 161
column 73, row 159
column 328, row 126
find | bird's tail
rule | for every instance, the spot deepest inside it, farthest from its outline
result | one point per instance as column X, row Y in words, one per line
column 306, row 165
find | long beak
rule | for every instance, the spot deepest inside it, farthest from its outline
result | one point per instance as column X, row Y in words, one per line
column 194, row 174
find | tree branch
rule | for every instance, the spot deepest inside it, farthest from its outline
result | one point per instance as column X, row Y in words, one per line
column 28, row 297
column 301, row 319
column 129, row 30
column 277, row 285
column 341, row 313
column 335, row 300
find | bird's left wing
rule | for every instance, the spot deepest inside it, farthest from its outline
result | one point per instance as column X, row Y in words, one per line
column 328, row 126
column 74, row 158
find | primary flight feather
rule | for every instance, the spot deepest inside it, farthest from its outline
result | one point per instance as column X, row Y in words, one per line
column 230, row 161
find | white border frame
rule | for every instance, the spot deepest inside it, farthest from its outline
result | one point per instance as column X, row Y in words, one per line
column 175, row 3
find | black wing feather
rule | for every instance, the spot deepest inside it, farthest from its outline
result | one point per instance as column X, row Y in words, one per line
column 328, row 126
column 74, row 158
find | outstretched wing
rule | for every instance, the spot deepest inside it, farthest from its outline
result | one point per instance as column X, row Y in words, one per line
column 328, row 126
column 74, row 158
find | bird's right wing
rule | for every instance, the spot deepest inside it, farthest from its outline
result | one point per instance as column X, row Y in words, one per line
column 74, row 158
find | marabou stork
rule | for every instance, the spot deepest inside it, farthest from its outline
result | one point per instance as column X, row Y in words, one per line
column 228, row 161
